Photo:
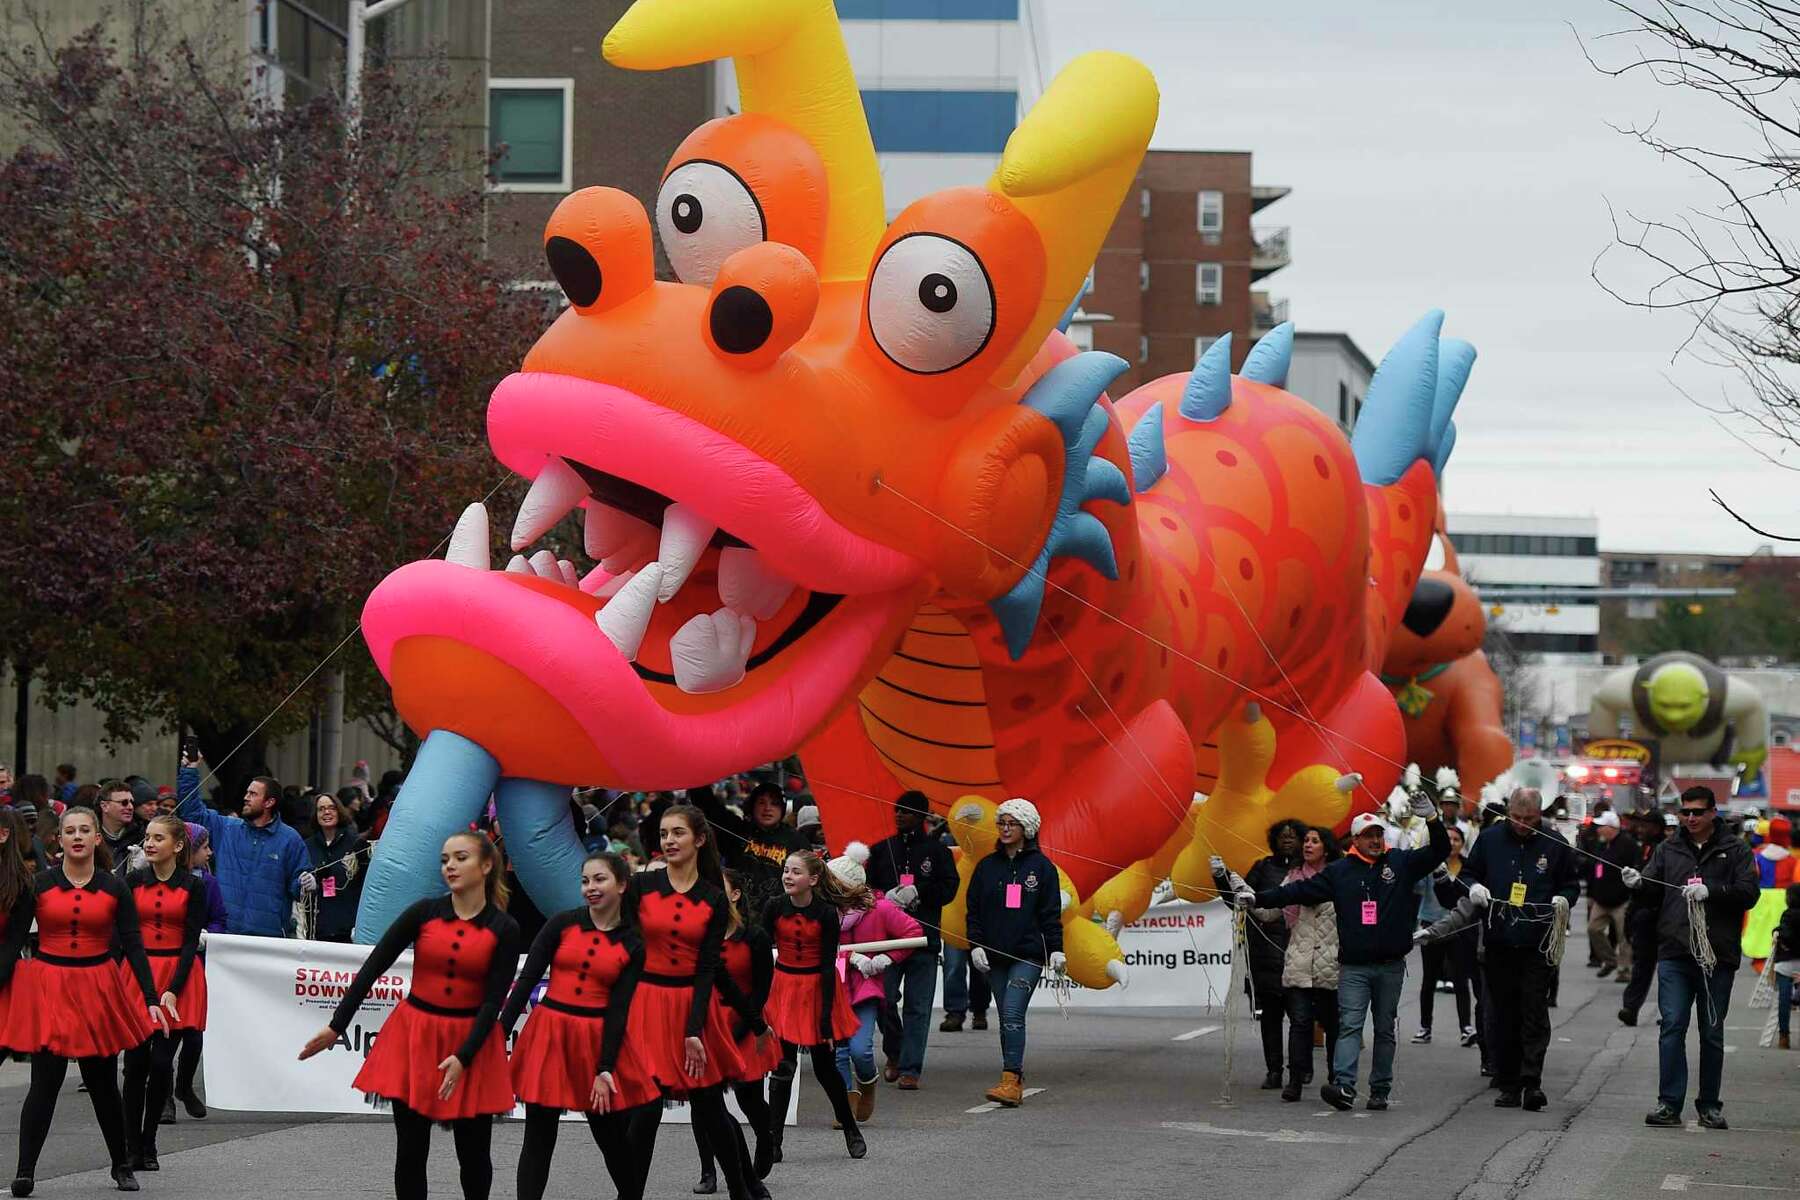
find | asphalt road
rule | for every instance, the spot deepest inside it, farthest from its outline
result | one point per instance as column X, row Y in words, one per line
column 1132, row 1106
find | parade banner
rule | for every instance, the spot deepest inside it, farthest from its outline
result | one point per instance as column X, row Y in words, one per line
column 1179, row 955
column 269, row 995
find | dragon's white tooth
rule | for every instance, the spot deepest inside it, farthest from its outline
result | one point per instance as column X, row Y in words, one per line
column 543, row 565
column 627, row 615
column 469, row 541
column 685, row 535
column 610, row 588
column 518, row 566
column 567, row 570
column 747, row 585
column 709, row 653
column 553, row 493
column 606, row 531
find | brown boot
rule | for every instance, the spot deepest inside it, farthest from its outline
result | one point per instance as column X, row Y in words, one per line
column 1781, row 1041
column 863, row 1103
column 1009, row 1092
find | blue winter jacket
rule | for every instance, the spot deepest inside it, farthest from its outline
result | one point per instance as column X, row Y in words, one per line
column 259, row 869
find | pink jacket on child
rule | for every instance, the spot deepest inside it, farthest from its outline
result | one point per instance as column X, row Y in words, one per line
column 884, row 922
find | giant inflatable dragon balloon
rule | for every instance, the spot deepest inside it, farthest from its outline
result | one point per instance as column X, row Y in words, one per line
column 850, row 491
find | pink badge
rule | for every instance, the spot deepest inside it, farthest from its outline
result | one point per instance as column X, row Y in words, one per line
column 1368, row 911
column 906, row 880
column 1695, row 879
column 1015, row 895
column 1599, row 870
column 330, row 886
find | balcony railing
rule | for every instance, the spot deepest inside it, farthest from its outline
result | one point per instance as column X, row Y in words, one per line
column 1270, row 252
column 1265, row 317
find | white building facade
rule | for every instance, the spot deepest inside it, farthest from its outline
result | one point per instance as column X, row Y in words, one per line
column 1556, row 556
column 1330, row 372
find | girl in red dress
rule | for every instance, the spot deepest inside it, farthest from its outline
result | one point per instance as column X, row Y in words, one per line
column 71, row 1001
column 749, row 960
column 572, row 1053
column 679, row 1021
column 17, row 911
column 171, row 909
column 807, row 1004
column 439, row 1057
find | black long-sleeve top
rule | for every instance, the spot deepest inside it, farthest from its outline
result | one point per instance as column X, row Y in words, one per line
column 171, row 916
column 592, row 971
column 15, row 931
column 749, row 958
column 806, row 939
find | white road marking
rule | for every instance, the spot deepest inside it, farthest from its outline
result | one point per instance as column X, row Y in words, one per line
column 1681, row 1183
column 1191, row 1034
column 992, row 1105
column 1271, row 1135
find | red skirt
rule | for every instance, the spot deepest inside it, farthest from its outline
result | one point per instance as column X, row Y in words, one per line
column 12, row 1036
column 403, row 1066
column 757, row 1063
column 76, row 1012
column 554, row 1058
column 793, row 1008
column 190, row 1003
column 658, row 1027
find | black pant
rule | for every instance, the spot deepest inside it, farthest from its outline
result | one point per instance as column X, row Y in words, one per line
column 412, row 1146
column 1271, row 1007
column 627, row 1141
column 709, row 1112
column 1306, row 1007
column 824, row 1065
column 1643, row 970
column 756, row 1113
column 193, row 1042
column 149, row 1079
column 1443, row 961
column 1519, row 992
column 47, row 1074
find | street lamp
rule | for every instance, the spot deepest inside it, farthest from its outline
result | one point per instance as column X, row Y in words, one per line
column 355, row 42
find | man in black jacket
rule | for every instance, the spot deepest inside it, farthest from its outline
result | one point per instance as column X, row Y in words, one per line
column 917, row 872
column 1373, row 893
column 1701, row 863
column 1608, row 944
column 1527, row 878
column 757, row 844
column 1640, row 917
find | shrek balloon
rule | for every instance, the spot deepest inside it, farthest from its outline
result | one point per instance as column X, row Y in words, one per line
column 1691, row 709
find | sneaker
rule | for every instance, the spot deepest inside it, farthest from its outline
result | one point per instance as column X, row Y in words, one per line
column 1421, row 1037
column 979, row 1021
column 1663, row 1117
column 1339, row 1098
column 1605, row 971
column 952, row 1023
column 1535, row 1099
column 1627, row 1017
column 1508, row 1098
column 1377, row 1103
column 1713, row 1118
column 1469, row 1035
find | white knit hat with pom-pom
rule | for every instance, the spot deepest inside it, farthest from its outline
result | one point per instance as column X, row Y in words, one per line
column 848, row 867
column 1024, row 812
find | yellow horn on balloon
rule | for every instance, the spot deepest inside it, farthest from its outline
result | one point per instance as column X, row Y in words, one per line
column 791, row 65
column 1067, row 166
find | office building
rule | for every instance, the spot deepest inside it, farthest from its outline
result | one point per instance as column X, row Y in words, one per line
column 1555, row 556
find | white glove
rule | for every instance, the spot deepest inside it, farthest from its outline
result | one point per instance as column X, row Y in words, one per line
column 1694, row 891
column 1631, row 877
column 1422, row 807
column 1421, row 936
column 1244, row 896
column 882, row 962
column 865, row 964
column 1561, row 905
column 309, row 883
column 1059, row 962
column 978, row 956
column 1480, row 896
column 1217, row 864
column 905, row 895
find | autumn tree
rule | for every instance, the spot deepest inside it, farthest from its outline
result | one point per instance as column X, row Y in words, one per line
column 244, row 361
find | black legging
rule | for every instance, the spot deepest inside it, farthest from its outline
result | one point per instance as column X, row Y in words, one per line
column 1305, row 1007
column 627, row 1140
column 824, row 1065
column 1271, row 1008
column 412, row 1146
column 193, row 1042
column 1445, row 960
column 708, row 1111
column 47, row 1074
column 756, row 1112
column 149, row 1080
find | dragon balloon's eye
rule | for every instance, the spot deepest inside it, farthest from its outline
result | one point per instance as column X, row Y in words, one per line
column 706, row 214
column 1434, row 554
column 931, row 304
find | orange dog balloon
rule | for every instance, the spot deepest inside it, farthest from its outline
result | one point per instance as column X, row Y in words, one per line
column 850, row 491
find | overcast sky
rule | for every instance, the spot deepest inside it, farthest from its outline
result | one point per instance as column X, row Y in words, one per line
column 1466, row 162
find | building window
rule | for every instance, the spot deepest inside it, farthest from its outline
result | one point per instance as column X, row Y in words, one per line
column 940, row 121
column 1143, row 277
column 532, row 119
column 1202, row 345
column 1211, row 214
column 1209, row 283
column 1144, row 348
column 1144, row 203
column 1343, row 403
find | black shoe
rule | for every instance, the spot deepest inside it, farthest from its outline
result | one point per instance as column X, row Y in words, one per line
column 757, row 1188
column 1605, row 971
column 979, row 1021
column 1534, row 1100
column 952, row 1023
column 764, row 1160
column 22, row 1185
column 1470, row 1036
column 1627, row 1017
column 1422, row 1037
column 126, row 1181
column 191, row 1102
column 1338, row 1097
column 1508, row 1099
column 853, row 1142
column 168, row 1112
column 709, row 1183
column 1663, row 1117
column 1713, row 1118
column 1291, row 1092
column 1377, row 1103
column 1271, row 1081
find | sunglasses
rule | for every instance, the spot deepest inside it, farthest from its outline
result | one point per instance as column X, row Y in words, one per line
column 1693, row 812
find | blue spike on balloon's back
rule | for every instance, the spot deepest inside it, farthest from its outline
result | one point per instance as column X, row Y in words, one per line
column 1456, row 358
column 1447, row 444
column 1394, row 428
column 1269, row 359
column 1062, row 323
column 1149, row 457
column 1208, row 390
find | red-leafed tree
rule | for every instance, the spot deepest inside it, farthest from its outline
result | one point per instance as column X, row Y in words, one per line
column 243, row 367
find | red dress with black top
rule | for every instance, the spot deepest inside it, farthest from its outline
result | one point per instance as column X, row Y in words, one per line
column 750, row 961
column 577, row 1029
column 678, row 994
column 807, row 1002
column 15, row 933
column 172, row 914
column 461, row 969
column 73, row 1000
